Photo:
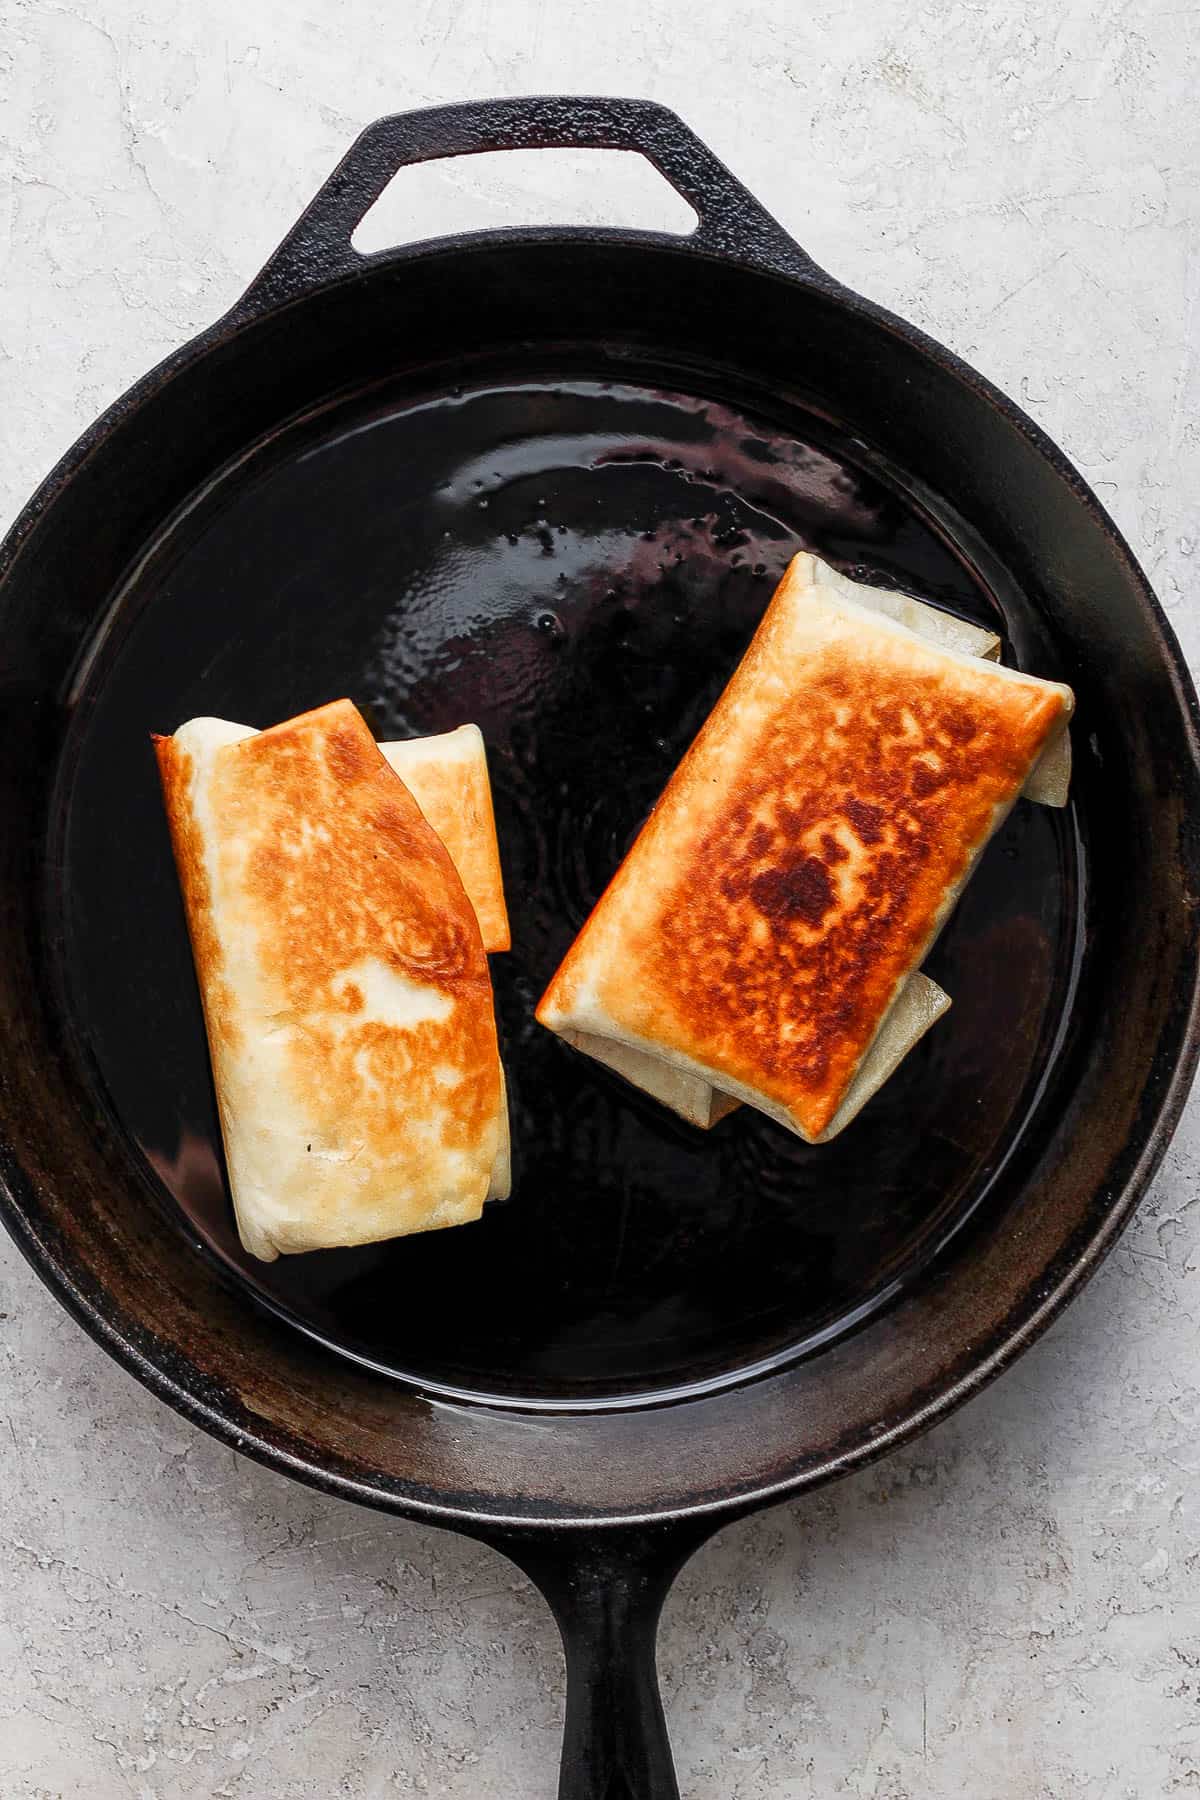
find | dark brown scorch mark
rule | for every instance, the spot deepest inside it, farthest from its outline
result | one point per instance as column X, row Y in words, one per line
column 802, row 891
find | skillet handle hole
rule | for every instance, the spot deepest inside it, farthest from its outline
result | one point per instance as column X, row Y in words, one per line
column 522, row 187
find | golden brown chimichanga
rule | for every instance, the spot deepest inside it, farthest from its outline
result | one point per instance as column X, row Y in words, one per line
column 761, row 942
column 346, row 990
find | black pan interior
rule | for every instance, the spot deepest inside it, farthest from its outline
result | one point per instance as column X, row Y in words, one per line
column 575, row 562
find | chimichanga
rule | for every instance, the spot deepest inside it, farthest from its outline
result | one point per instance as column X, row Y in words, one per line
column 762, row 939
column 346, row 991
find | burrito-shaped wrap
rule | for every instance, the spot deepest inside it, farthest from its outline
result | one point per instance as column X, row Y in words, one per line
column 346, row 991
column 922, row 1001
column 764, row 934
column 447, row 776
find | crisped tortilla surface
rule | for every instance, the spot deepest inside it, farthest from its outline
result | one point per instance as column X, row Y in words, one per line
column 805, row 853
column 345, row 986
column 447, row 776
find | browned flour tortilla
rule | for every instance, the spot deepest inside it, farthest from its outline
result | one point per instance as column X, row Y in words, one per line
column 762, row 939
column 447, row 776
column 346, row 991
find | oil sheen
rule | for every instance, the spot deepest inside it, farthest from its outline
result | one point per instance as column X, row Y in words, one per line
column 576, row 566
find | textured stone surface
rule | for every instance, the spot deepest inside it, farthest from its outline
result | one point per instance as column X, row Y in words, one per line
column 1011, row 1609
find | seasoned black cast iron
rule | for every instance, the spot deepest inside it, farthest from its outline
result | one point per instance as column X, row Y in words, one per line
column 545, row 480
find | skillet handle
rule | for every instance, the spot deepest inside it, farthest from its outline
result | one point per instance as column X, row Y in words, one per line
column 606, row 1591
column 732, row 222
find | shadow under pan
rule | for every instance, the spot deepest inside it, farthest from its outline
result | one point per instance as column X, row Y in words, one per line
column 575, row 565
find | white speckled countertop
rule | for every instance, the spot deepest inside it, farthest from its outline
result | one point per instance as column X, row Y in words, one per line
column 1010, row 1610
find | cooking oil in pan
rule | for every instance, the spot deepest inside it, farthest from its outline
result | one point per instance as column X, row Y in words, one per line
column 576, row 566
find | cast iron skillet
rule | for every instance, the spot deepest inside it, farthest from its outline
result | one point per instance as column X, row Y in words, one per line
column 545, row 480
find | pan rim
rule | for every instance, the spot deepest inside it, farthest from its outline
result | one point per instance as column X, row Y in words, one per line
column 1024, row 1323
